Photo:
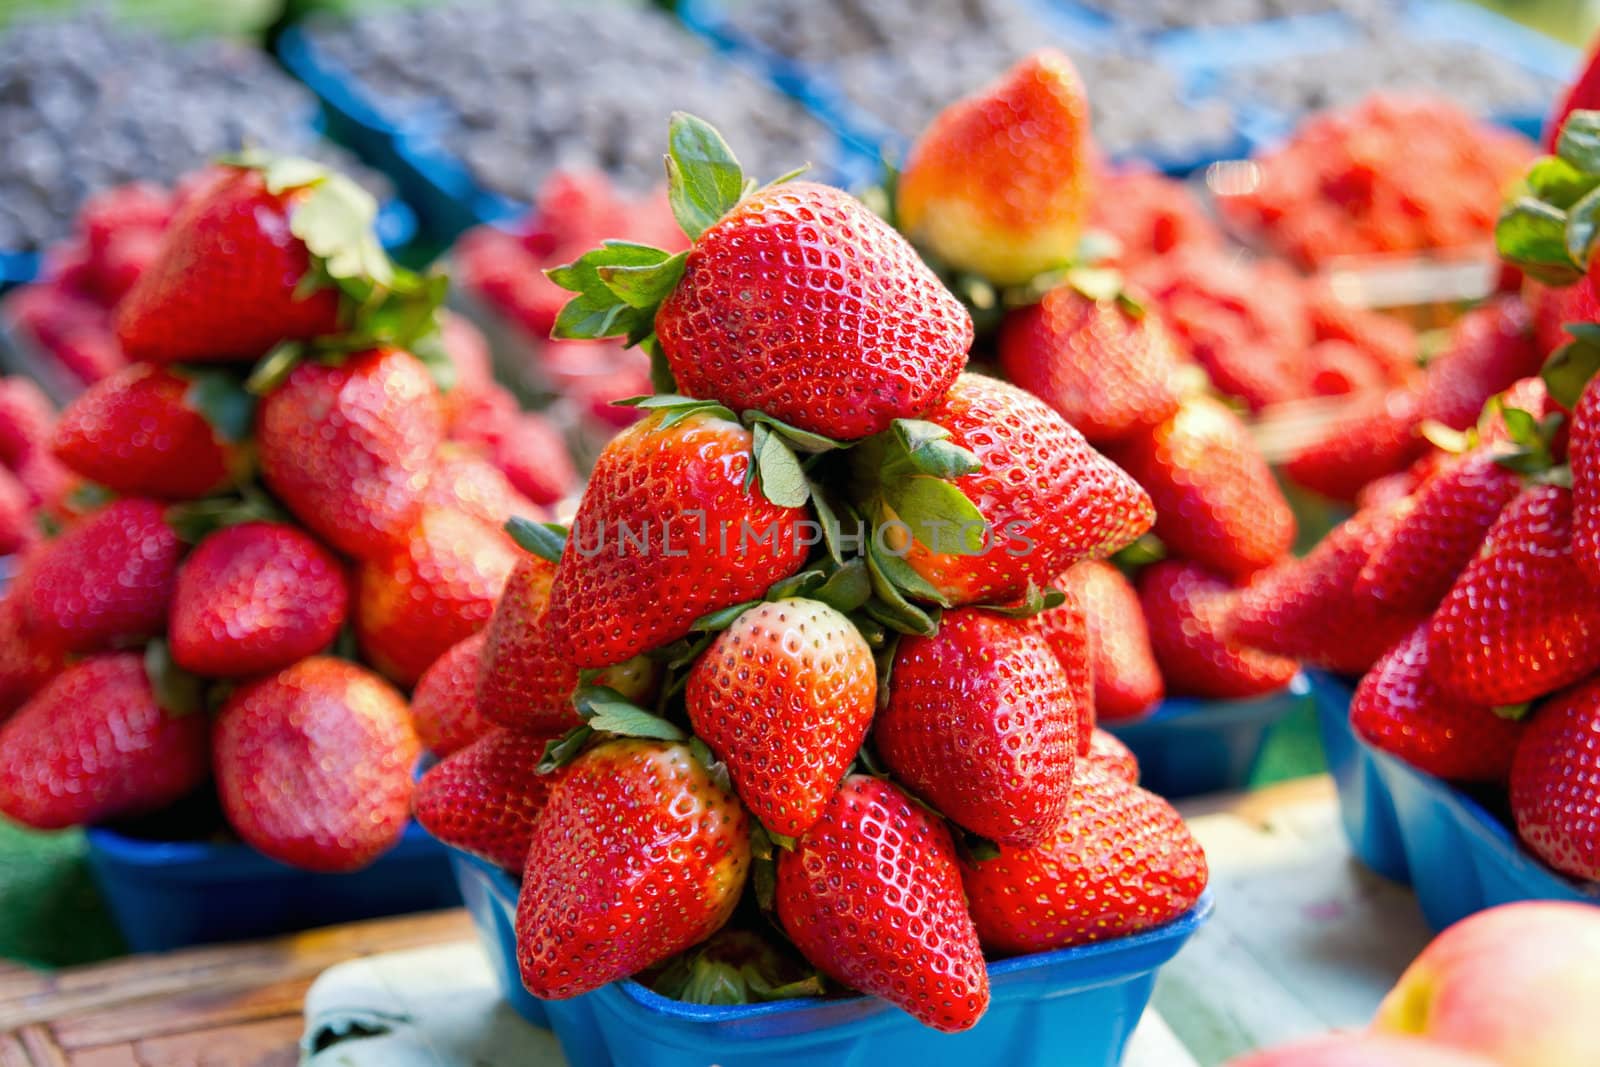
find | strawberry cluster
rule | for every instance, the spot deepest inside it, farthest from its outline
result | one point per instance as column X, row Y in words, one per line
column 273, row 530
column 794, row 669
column 34, row 486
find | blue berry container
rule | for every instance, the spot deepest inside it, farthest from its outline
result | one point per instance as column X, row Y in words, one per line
column 166, row 895
column 1366, row 807
column 1189, row 746
column 1073, row 1008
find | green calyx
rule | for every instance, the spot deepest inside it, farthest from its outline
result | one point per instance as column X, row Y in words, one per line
column 604, row 713
column 543, row 539
column 1550, row 220
column 736, row 967
column 177, row 691
column 1569, row 369
column 194, row 520
column 906, row 475
column 1532, row 441
column 1034, row 602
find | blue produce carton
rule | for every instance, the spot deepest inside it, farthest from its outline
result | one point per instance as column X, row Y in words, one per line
column 1190, row 746
column 1072, row 1008
column 1365, row 806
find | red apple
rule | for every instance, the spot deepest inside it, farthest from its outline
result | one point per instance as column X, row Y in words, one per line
column 1518, row 985
column 1362, row 1050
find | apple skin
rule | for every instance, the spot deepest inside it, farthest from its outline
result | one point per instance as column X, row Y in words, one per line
column 1362, row 1050
column 1518, row 985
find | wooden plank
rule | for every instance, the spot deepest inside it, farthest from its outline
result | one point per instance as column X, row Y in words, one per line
column 206, row 1009
column 110, row 1056
column 270, row 1043
column 12, row 1054
column 42, row 1048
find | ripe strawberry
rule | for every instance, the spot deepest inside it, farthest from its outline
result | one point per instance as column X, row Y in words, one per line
column 1490, row 347
column 1120, row 862
column 1554, row 798
column 255, row 598
column 1414, row 566
column 314, row 764
column 94, row 745
column 637, row 855
column 1185, row 607
column 106, row 581
column 349, row 447
column 1065, row 628
column 1583, row 450
column 784, row 697
column 225, row 283
column 801, row 303
column 26, row 416
column 463, row 481
column 999, row 183
column 1150, row 215
column 1583, row 92
column 444, row 707
column 534, row 457
column 17, row 526
column 709, row 539
column 1552, row 307
column 1108, row 752
column 1338, row 368
column 1127, row 682
column 468, row 352
column 435, row 587
column 1387, row 341
column 26, row 663
column 1520, row 621
column 1376, row 435
column 980, row 722
column 485, row 797
column 1215, row 498
column 1530, row 395
column 1107, row 365
column 872, row 896
column 1399, row 708
column 1309, row 608
column 1049, row 499
column 141, row 432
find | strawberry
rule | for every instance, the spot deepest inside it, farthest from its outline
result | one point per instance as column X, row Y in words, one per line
column 1374, row 435
column 1309, row 608
column 462, row 481
column 26, row 418
column 872, row 896
column 314, row 764
column 1215, row 498
column 794, row 299
column 1399, row 708
column 1582, row 93
column 1554, row 797
column 26, row 663
column 17, row 527
column 485, row 797
column 1584, row 457
column 999, row 183
column 1414, row 566
column 1490, row 347
column 106, row 581
column 349, row 447
column 444, row 707
column 467, row 350
column 1520, row 621
column 1127, row 682
column 534, row 457
column 980, row 722
column 637, row 855
column 142, row 432
column 1106, row 365
column 254, row 598
column 94, row 745
column 678, row 482
column 435, row 587
column 1122, row 861
column 1552, row 307
column 1338, row 368
column 1185, row 607
column 1065, row 628
column 1150, row 215
column 1388, row 342
column 1048, row 498
column 1108, row 752
column 784, row 697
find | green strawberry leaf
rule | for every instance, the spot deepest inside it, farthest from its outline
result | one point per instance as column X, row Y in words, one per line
column 599, row 309
column 828, row 519
column 1533, row 236
column 800, row 585
column 661, row 377
column 546, row 540
column 716, row 621
column 1568, row 370
column 177, row 691
column 194, row 520
column 847, row 588
column 921, row 447
column 1579, row 143
column 796, row 438
column 1513, row 712
column 1583, row 218
column 606, row 710
column 644, row 286
column 789, row 176
column 940, row 515
column 274, row 368
column 977, row 848
column 888, row 604
column 1034, row 601
column 1558, row 183
column 335, row 222
column 560, row 751
column 900, row 574
column 1146, row 550
column 1446, row 438
column 704, row 179
column 223, row 400
column 783, row 480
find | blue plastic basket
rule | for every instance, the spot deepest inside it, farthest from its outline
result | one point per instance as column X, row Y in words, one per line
column 167, row 895
column 1072, row 1008
column 1365, row 806
column 1191, row 746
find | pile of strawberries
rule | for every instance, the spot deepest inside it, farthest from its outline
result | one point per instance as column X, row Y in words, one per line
column 32, row 481
column 793, row 689
column 277, row 531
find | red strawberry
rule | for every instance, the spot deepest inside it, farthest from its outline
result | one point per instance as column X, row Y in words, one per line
column 1122, row 861
column 1583, row 92
column 637, row 855
column 255, row 598
column 26, row 663
column 17, row 526
column 1400, row 709
column 1127, row 682
column 801, row 303
column 1392, row 488
column 1108, row 752
column 1490, row 348
column 1186, row 607
column 1338, row 368
column 1065, row 628
column 114, row 211
column 1552, row 307
column 709, row 540
column 1150, row 215
column 1375, row 435
column 468, row 351
column 141, row 432
column 94, row 745
column 1388, row 342
column 1520, row 621
column 1555, row 798
column 26, row 416
column 226, row 282
column 444, row 707
column 1583, row 450
column 1048, row 498
column 465, row 482
column 534, row 457
column 1530, row 395
column 999, row 183
column 485, row 798
column 349, row 447
column 872, row 896
column 314, row 764
column 436, row 587
column 1414, row 566
column 106, row 581
column 1215, row 498
column 1309, row 608
column 1107, row 366
column 784, row 697
column 980, row 722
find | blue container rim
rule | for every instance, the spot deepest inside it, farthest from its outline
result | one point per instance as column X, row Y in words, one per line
column 130, row 851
